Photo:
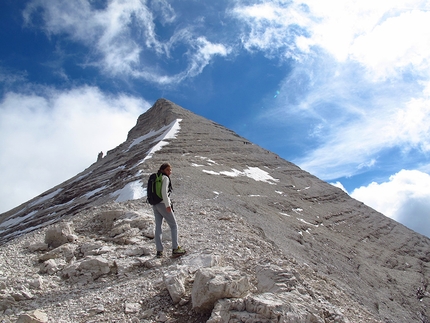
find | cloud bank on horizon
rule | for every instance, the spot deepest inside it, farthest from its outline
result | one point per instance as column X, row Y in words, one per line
column 351, row 104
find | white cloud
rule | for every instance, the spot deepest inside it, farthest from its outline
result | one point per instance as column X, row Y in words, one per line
column 404, row 198
column 359, row 77
column 397, row 44
column 107, row 31
column 386, row 32
column 339, row 185
column 165, row 10
column 413, row 124
column 122, row 38
column 348, row 148
column 385, row 36
column 50, row 137
column 272, row 26
column 204, row 53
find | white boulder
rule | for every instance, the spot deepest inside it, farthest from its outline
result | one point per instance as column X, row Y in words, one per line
column 212, row 284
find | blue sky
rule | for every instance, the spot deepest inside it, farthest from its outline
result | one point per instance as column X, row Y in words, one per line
column 340, row 88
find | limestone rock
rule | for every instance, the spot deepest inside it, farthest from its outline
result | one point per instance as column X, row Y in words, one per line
column 52, row 266
column 128, row 236
column 105, row 219
column 126, row 265
column 97, row 266
column 212, row 284
column 120, row 229
column 161, row 317
column 88, row 269
column 91, row 248
column 266, row 307
column 174, row 281
column 39, row 246
column 137, row 251
column 66, row 251
column 6, row 302
column 2, row 284
column 21, row 295
column 272, row 278
column 59, row 235
column 36, row 316
column 36, row 282
column 197, row 261
column 290, row 307
column 132, row 308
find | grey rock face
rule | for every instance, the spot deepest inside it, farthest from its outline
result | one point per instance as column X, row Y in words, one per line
column 212, row 284
column 310, row 253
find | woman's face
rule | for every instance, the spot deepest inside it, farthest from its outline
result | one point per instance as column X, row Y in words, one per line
column 168, row 171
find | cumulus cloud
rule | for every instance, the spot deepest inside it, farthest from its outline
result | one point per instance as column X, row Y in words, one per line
column 360, row 79
column 122, row 39
column 199, row 57
column 164, row 9
column 273, row 27
column 339, row 185
column 404, row 198
column 400, row 43
column 350, row 148
column 386, row 37
column 383, row 36
column 51, row 136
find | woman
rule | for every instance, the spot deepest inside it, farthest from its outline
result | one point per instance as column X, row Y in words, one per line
column 163, row 210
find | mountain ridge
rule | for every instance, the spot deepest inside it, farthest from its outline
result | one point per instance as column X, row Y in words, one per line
column 216, row 172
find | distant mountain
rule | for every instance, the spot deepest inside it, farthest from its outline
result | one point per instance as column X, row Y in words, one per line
column 334, row 258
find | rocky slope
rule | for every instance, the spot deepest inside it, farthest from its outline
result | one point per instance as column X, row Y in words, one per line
column 266, row 241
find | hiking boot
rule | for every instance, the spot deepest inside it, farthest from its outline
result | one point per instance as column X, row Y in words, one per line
column 178, row 252
column 159, row 254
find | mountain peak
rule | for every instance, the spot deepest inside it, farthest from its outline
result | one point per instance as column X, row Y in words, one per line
column 163, row 112
column 296, row 239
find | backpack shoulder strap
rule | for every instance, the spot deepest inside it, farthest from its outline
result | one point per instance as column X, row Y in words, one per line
column 170, row 187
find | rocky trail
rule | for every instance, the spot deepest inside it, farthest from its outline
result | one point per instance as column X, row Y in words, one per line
column 105, row 271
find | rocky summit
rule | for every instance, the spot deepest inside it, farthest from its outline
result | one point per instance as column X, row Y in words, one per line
column 265, row 240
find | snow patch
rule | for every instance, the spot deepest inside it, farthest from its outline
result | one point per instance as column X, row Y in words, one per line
column 93, row 192
column 131, row 191
column 196, row 165
column 314, row 225
column 167, row 132
column 233, row 173
column 210, row 172
column 82, row 176
column 210, row 161
column 255, row 173
column 45, row 198
column 20, row 232
column 14, row 221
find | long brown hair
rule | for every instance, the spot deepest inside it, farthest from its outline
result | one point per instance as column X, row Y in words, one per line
column 163, row 167
column 161, row 170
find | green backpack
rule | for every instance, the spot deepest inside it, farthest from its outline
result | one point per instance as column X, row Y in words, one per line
column 153, row 189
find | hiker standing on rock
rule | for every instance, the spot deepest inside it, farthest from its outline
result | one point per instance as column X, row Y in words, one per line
column 164, row 210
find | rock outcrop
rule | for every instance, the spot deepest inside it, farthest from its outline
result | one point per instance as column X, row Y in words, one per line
column 213, row 284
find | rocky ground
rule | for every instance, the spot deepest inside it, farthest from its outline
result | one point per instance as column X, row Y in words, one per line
column 126, row 283
column 266, row 241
